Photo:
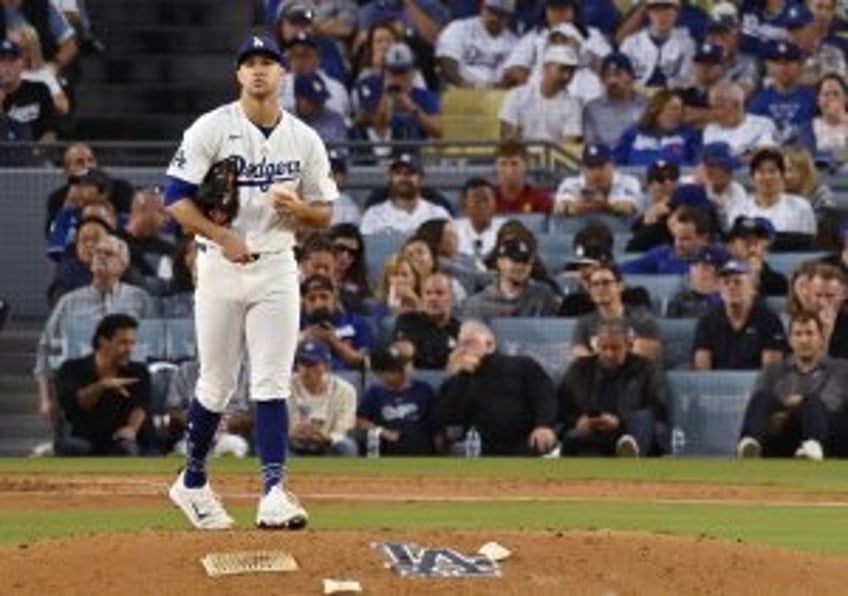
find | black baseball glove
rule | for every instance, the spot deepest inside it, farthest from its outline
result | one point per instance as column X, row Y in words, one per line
column 217, row 196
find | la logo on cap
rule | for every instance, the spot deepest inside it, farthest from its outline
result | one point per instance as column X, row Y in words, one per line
column 257, row 43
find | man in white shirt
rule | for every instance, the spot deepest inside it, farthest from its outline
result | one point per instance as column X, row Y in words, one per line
column 543, row 109
column 661, row 53
column 477, row 231
column 598, row 188
column 471, row 52
column 304, row 57
column 405, row 209
column 789, row 214
column 744, row 132
column 525, row 59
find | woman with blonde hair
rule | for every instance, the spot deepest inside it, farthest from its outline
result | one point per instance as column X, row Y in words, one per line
column 802, row 179
column 35, row 68
column 400, row 287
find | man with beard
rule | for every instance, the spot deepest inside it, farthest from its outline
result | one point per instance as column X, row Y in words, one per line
column 606, row 118
column 513, row 293
column 104, row 396
column 544, row 109
column 405, row 209
column 347, row 335
column 798, row 404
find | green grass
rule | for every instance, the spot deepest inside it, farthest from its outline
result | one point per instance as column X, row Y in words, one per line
column 814, row 527
column 828, row 476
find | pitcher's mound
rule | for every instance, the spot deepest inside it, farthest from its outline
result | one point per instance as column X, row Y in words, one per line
column 548, row 562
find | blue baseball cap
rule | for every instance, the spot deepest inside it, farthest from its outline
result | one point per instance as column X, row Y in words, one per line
column 783, row 50
column 751, row 226
column 258, row 45
column 734, row 267
column 797, row 16
column 399, row 57
column 311, row 87
column 338, row 159
column 719, row 154
column 692, row 195
column 504, row 7
column 712, row 254
column 304, row 38
column 9, row 48
column 709, row 53
column 406, row 158
column 596, row 154
column 368, row 92
column 618, row 61
column 313, row 352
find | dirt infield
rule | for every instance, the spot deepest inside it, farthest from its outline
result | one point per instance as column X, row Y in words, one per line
column 544, row 562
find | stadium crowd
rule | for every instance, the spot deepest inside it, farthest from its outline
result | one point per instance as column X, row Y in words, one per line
column 732, row 111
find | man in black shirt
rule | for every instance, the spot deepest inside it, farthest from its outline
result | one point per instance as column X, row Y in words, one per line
column 25, row 102
column 748, row 240
column 428, row 336
column 509, row 400
column 610, row 401
column 104, row 396
column 741, row 333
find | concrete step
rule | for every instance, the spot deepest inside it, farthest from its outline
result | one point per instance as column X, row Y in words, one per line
column 17, row 351
column 110, row 100
column 21, row 447
column 159, row 68
column 18, row 395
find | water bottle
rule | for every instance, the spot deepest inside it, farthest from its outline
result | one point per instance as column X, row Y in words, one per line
column 678, row 441
column 472, row 443
column 372, row 442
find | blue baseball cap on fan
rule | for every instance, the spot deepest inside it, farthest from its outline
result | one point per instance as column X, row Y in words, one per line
column 9, row 48
column 798, row 16
column 311, row 87
column 719, row 154
column 369, row 92
column 257, row 45
column 783, row 50
column 596, row 155
column 313, row 352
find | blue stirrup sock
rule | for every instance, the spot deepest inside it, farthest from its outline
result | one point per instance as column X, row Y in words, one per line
column 202, row 426
column 272, row 433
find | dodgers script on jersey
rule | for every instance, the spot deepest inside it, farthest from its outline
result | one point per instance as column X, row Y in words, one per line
column 293, row 155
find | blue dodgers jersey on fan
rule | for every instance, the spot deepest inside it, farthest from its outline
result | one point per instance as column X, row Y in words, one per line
column 406, row 411
column 786, row 110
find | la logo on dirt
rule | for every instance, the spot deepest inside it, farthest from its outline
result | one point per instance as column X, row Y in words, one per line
column 411, row 560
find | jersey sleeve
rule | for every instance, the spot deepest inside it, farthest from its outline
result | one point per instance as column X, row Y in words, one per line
column 317, row 184
column 523, row 55
column 196, row 152
column 511, row 108
column 449, row 44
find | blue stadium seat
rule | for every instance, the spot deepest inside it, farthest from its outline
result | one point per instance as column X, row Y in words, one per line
column 677, row 336
column 777, row 303
column 574, row 224
column 378, row 248
column 354, row 377
column 708, row 407
column 661, row 287
column 149, row 347
column 534, row 329
column 180, row 340
column 787, row 262
column 555, row 250
column 535, row 222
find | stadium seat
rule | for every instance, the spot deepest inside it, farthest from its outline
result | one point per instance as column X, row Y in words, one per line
column 378, row 248
column 149, row 347
column 572, row 225
column 777, row 303
column 472, row 115
column 180, row 340
column 534, row 329
column 787, row 262
column 708, row 407
column 354, row 377
column 535, row 222
column 677, row 336
column 661, row 287
column 555, row 250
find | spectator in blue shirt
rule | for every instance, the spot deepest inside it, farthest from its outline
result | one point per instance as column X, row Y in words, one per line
column 660, row 134
column 789, row 104
column 690, row 229
column 391, row 107
column 310, row 96
column 397, row 407
column 348, row 336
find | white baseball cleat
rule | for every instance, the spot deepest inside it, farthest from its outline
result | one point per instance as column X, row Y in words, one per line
column 280, row 510
column 200, row 505
column 627, row 447
column 748, row 448
column 810, row 449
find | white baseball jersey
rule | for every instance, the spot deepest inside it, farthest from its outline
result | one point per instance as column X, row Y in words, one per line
column 481, row 57
column 673, row 58
column 293, row 154
column 386, row 217
column 790, row 213
column 531, row 47
column 754, row 131
column 624, row 188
